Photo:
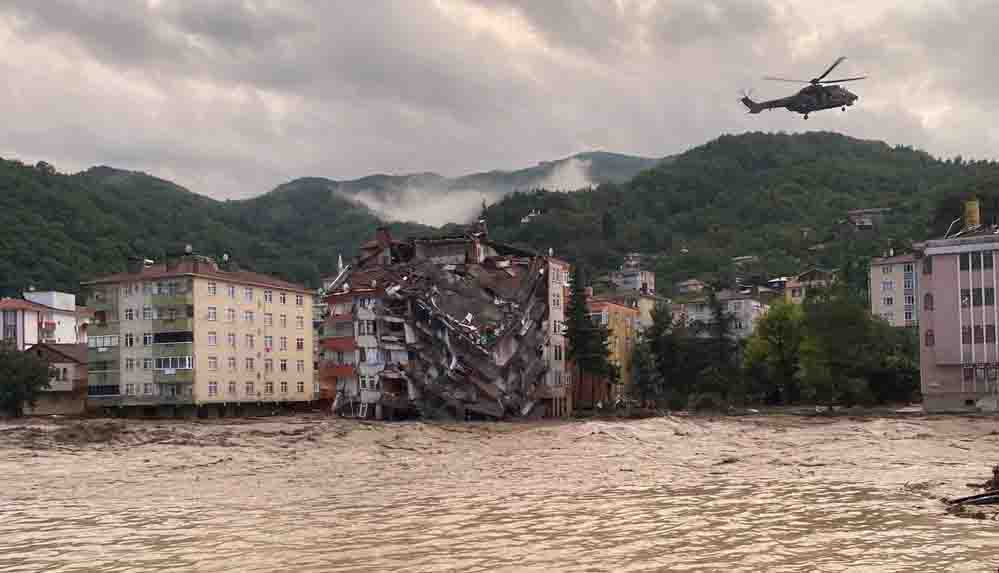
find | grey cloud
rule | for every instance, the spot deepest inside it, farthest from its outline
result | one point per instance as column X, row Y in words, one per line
column 231, row 98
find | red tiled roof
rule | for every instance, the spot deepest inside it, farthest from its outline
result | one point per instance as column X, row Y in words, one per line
column 204, row 270
column 21, row 304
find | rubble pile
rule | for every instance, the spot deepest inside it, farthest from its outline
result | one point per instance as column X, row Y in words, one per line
column 469, row 315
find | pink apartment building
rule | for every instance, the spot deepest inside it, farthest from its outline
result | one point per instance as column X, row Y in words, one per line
column 959, row 356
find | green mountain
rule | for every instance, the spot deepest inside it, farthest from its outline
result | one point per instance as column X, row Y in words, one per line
column 783, row 198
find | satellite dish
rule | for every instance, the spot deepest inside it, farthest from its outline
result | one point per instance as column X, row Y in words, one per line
column 188, row 249
column 225, row 257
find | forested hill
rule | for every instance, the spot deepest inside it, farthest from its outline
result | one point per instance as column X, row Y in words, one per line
column 61, row 229
column 780, row 197
column 783, row 198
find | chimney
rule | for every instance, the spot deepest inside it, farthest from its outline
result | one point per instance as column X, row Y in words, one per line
column 972, row 215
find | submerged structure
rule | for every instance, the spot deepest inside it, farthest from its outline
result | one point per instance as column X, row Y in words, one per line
column 456, row 326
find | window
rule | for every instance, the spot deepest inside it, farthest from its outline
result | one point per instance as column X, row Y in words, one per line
column 887, row 301
column 175, row 363
column 213, row 338
column 130, row 389
column 230, row 315
column 147, row 364
column 979, row 334
column 247, row 316
column 232, row 363
column 887, row 269
column 887, row 285
column 930, row 339
column 284, row 321
column 249, row 364
column 147, row 338
column 248, row 294
column 129, row 314
column 231, row 290
column 990, row 333
column 268, row 388
column 300, row 322
column 928, row 301
column 556, row 300
column 965, row 298
column 212, row 313
column 213, row 388
column 249, row 340
column 366, row 327
column 284, row 343
column 796, row 292
column 339, row 357
column 283, row 297
column 299, row 344
column 171, row 314
column 212, row 288
column 315, row 388
column 284, row 387
column 965, row 335
column 908, row 284
column 910, row 300
column 964, row 261
column 299, row 300
column 147, row 288
column 362, row 354
column 231, row 339
column 213, row 363
column 129, row 364
column 968, row 372
column 976, row 297
column 232, row 388
column 147, row 389
column 268, row 342
column 990, row 296
column 928, row 266
column 557, row 351
column 268, row 365
column 249, row 388
column 284, row 365
column 268, row 319
column 268, row 296
column 301, row 387
column 987, row 260
column 301, row 365
column 147, row 313
column 908, row 267
column 129, row 340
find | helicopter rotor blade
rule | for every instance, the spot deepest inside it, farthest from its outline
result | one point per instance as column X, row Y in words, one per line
column 842, row 80
column 773, row 79
column 838, row 61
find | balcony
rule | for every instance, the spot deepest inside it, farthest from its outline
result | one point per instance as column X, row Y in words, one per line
column 173, row 349
column 339, row 344
column 173, row 377
column 329, row 371
column 175, row 300
column 104, row 354
column 181, row 323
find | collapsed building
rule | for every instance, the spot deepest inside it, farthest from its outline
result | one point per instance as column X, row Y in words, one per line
column 455, row 326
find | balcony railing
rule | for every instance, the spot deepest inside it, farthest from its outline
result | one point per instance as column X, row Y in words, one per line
column 173, row 377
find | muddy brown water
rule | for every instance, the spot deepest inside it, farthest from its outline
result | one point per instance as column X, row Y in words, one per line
column 774, row 493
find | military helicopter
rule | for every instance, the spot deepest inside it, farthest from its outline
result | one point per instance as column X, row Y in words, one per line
column 817, row 95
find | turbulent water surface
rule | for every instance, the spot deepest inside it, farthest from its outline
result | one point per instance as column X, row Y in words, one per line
column 291, row 495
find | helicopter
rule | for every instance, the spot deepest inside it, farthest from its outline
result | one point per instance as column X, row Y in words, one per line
column 815, row 96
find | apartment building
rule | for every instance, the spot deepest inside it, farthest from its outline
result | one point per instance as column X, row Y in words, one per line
column 189, row 336
column 894, row 289
column 559, row 378
column 959, row 354
column 622, row 324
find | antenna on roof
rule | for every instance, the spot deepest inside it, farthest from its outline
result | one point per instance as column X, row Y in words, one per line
column 225, row 257
column 188, row 249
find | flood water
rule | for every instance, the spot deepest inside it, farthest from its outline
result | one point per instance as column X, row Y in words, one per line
column 773, row 493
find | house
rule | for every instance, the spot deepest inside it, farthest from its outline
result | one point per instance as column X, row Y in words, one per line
column 689, row 286
column 455, row 324
column 796, row 289
column 959, row 349
column 67, row 391
column 189, row 336
column 48, row 316
column 865, row 219
column 745, row 307
column 894, row 289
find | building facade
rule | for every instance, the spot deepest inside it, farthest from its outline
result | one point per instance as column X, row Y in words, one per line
column 67, row 391
column 894, row 289
column 42, row 316
column 796, row 289
column 622, row 324
column 959, row 350
column 187, row 335
column 745, row 308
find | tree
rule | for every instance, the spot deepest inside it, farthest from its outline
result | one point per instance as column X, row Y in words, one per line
column 646, row 382
column 22, row 376
column 677, row 354
column 776, row 347
column 588, row 342
column 608, row 225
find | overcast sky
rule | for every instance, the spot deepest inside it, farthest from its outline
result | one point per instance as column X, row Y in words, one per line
column 230, row 98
